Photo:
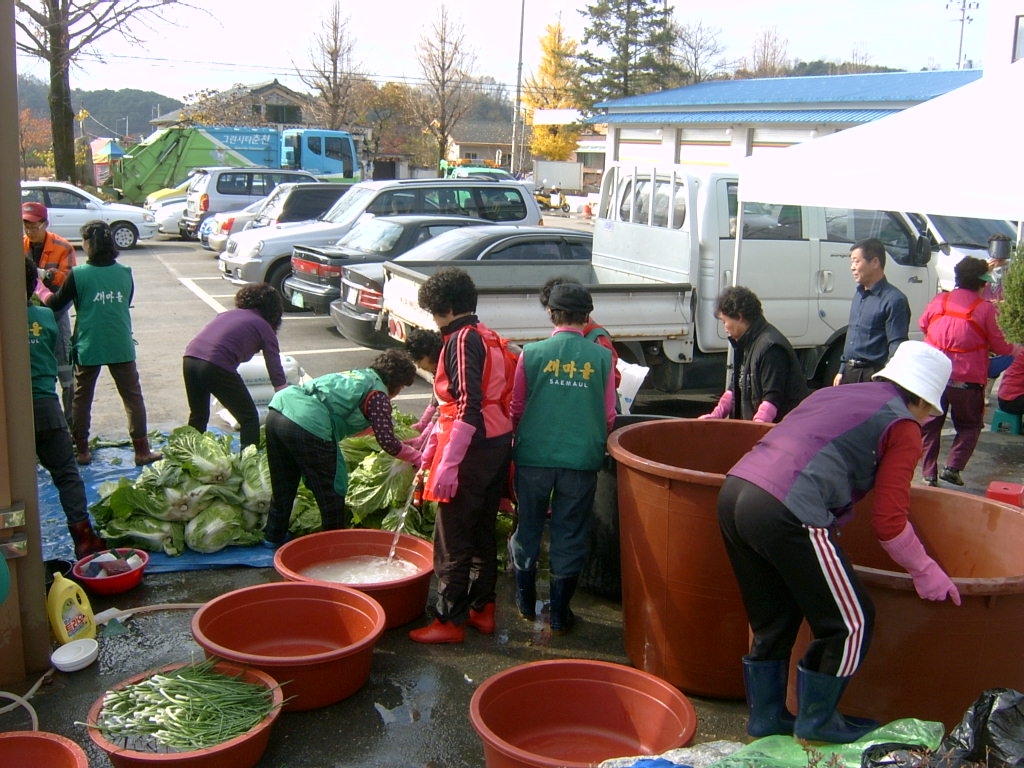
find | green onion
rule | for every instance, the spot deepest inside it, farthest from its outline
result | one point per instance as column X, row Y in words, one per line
column 192, row 707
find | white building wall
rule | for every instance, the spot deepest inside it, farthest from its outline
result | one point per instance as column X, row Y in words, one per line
column 1003, row 31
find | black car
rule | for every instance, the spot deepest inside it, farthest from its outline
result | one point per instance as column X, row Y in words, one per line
column 316, row 271
column 357, row 313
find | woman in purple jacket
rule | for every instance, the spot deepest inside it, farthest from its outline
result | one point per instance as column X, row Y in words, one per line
column 212, row 358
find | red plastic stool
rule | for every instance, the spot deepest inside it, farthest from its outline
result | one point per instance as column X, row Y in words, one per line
column 1010, row 493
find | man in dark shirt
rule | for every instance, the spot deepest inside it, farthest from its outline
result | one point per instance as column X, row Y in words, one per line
column 879, row 315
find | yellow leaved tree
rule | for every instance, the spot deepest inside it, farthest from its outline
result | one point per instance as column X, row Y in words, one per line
column 553, row 87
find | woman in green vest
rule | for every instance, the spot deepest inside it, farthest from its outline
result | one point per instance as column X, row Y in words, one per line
column 306, row 422
column 102, row 291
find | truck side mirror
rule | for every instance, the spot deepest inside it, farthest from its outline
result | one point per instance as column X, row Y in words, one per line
column 923, row 251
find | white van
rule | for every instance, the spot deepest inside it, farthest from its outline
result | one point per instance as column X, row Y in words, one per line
column 956, row 237
column 676, row 225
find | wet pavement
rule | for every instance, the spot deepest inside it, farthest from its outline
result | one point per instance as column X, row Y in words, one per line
column 414, row 710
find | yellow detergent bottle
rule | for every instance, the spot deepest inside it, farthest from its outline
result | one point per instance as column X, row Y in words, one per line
column 70, row 613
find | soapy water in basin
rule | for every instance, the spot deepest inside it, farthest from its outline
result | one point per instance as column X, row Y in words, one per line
column 361, row 569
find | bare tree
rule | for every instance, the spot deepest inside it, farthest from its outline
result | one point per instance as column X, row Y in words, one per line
column 699, row 51
column 768, row 57
column 332, row 72
column 447, row 63
column 57, row 31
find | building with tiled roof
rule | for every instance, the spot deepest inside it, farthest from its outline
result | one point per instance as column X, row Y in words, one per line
column 722, row 120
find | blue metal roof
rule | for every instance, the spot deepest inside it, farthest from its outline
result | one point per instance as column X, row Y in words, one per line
column 816, row 116
column 875, row 87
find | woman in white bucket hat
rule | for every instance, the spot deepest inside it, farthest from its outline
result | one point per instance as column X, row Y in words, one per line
column 778, row 511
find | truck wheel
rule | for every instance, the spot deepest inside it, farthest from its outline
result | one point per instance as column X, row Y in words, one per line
column 276, row 277
column 566, row 208
column 125, row 235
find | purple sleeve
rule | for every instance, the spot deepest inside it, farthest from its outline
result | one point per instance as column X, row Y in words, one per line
column 272, row 356
column 519, row 392
column 377, row 408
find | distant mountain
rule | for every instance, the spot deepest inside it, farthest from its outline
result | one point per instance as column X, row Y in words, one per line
column 107, row 109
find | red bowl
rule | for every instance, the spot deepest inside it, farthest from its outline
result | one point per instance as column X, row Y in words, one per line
column 30, row 749
column 317, row 639
column 403, row 599
column 111, row 585
column 576, row 713
column 240, row 752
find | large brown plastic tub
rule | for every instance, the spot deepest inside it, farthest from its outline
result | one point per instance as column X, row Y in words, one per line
column 683, row 615
column 931, row 660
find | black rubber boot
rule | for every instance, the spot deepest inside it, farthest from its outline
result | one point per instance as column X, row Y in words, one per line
column 562, row 589
column 818, row 718
column 766, row 682
column 526, row 593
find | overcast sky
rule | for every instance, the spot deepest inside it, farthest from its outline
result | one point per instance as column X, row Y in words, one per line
column 248, row 42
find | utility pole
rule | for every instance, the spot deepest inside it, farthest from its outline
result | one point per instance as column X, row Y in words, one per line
column 519, row 91
column 963, row 7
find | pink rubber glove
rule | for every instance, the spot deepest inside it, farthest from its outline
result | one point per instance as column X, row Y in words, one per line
column 445, row 480
column 42, row 291
column 410, row 455
column 766, row 412
column 429, row 446
column 426, row 418
column 723, row 409
column 930, row 581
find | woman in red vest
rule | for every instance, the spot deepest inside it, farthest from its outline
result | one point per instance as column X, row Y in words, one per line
column 963, row 325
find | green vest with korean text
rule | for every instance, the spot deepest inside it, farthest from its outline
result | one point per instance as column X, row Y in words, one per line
column 563, row 423
column 103, row 323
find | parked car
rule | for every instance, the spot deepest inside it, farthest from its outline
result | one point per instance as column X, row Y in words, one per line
column 357, row 313
column 224, row 189
column 69, row 207
column 163, row 196
column 316, row 272
column 298, row 202
column 226, row 223
column 203, row 235
column 264, row 255
column 294, row 201
column 168, row 215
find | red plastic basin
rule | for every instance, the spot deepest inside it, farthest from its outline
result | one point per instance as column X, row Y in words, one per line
column 34, row 749
column 575, row 713
column 316, row 639
column 240, row 752
column 403, row 600
column 115, row 584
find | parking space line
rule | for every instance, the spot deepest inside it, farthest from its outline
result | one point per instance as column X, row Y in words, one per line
column 207, row 298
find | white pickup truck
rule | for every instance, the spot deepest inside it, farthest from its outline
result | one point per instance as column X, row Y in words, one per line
column 665, row 247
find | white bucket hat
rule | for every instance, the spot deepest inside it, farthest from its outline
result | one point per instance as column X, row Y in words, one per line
column 920, row 369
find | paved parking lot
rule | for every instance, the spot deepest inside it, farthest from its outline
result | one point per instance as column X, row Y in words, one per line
column 177, row 290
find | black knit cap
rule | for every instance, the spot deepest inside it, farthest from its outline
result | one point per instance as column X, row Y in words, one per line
column 570, row 297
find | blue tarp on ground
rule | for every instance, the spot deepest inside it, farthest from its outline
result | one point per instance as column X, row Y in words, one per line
column 111, row 464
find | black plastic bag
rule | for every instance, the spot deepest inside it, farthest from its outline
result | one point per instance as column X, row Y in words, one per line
column 991, row 733
column 895, row 755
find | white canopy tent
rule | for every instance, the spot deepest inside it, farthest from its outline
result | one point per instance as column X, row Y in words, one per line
column 959, row 154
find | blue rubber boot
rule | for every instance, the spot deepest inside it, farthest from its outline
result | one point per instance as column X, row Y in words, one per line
column 765, row 681
column 818, row 719
column 562, row 590
column 526, row 593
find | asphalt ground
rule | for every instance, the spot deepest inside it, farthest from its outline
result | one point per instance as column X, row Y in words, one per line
column 414, row 709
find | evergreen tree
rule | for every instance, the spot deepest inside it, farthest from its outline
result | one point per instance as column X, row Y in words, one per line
column 1011, row 308
column 630, row 53
column 553, row 87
